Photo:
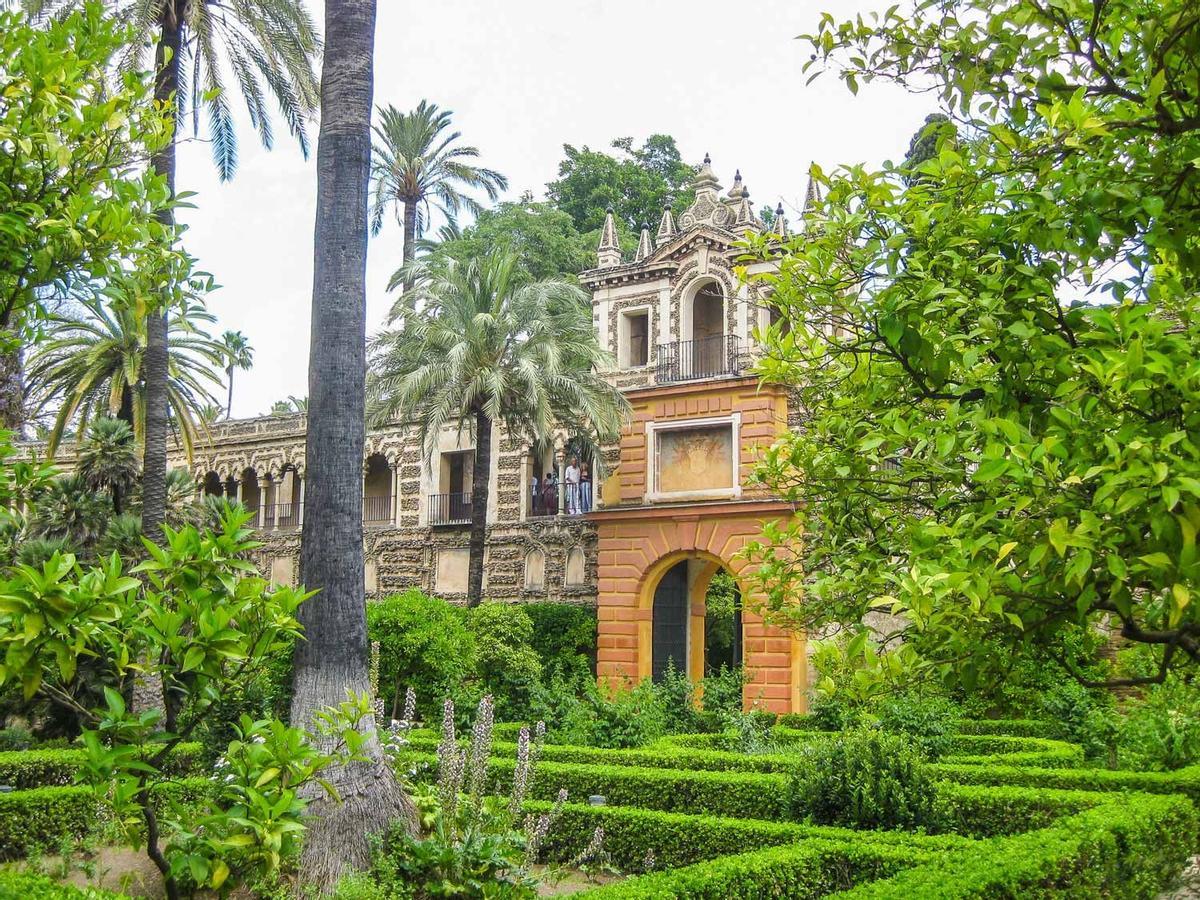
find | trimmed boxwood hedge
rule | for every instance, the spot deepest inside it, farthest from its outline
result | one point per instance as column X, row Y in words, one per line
column 810, row 869
column 43, row 817
column 1010, row 727
column 31, row 886
column 1129, row 847
column 44, row 768
column 678, row 839
column 1182, row 781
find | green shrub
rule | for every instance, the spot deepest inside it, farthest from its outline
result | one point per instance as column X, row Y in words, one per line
column 1133, row 847
column 16, row 885
column 1162, row 731
column 864, row 779
column 1085, row 717
column 680, row 839
column 1185, row 782
column 16, row 739
column 1010, row 727
column 811, row 869
column 724, row 689
column 26, row 769
column 564, row 637
column 423, row 644
column 677, row 696
column 506, row 664
column 930, row 721
column 592, row 716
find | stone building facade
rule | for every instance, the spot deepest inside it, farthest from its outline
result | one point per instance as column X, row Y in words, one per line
column 675, row 506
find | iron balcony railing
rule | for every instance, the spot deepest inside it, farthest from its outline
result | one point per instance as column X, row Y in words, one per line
column 710, row 357
column 377, row 510
column 450, row 509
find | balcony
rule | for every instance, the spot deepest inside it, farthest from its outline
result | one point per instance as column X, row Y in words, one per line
column 450, row 509
column 712, row 357
column 281, row 516
column 377, row 510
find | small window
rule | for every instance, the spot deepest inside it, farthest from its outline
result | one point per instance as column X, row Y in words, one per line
column 634, row 339
column 639, row 339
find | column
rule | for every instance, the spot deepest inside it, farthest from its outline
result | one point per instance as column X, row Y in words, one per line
column 300, row 507
column 262, row 502
column 274, row 493
column 395, row 469
column 562, row 483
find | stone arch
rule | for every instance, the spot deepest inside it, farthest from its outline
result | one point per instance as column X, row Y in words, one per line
column 535, row 569
column 636, row 551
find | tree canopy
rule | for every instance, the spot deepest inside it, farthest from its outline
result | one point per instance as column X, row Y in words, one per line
column 544, row 238
column 998, row 359
column 636, row 183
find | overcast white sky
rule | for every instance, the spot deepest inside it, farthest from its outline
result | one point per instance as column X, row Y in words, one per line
column 523, row 77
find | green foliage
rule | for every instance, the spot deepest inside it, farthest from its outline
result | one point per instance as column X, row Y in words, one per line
column 32, row 886
column 543, row 238
column 256, row 818
column 724, row 690
column 507, row 666
column 721, row 602
column 864, row 779
column 1083, row 717
column 564, row 637
column 636, row 185
column 1011, row 383
column 76, row 203
column 930, row 722
column 423, row 644
column 44, row 767
column 200, row 622
column 583, row 713
column 1014, row 727
column 417, row 164
column 1125, row 849
column 483, row 859
column 1161, row 732
column 812, row 869
column 16, row 739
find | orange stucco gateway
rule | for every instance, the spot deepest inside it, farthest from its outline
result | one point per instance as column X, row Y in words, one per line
column 637, row 547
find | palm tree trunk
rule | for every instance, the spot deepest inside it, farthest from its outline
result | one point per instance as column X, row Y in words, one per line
column 12, row 384
column 410, row 239
column 333, row 658
column 229, row 403
column 154, row 363
column 480, row 472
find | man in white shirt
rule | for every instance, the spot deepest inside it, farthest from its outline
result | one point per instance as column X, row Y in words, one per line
column 572, row 479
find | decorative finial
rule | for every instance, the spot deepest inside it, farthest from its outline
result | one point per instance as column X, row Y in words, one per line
column 608, row 254
column 707, row 160
column 644, row 247
column 666, row 227
column 780, row 225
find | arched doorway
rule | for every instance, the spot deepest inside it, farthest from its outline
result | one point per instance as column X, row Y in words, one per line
column 708, row 332
column 669, row 618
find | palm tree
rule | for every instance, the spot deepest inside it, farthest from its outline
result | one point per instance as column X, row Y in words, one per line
column 483, row 344
column 241, row 356
column 416, row 164
column 92, row 364
column 268, row 48
column 333, row 658
column 107, row 459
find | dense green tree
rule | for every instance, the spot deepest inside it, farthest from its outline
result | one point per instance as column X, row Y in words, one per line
column 636, row 184
column 544, row 238
column 193, row 46
column 418, row 163
column 239, row 355
column 75, row 201
column 107, row 459
column 333, row 659
column 998, row 360
column 482, row 344
column 92, row 364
